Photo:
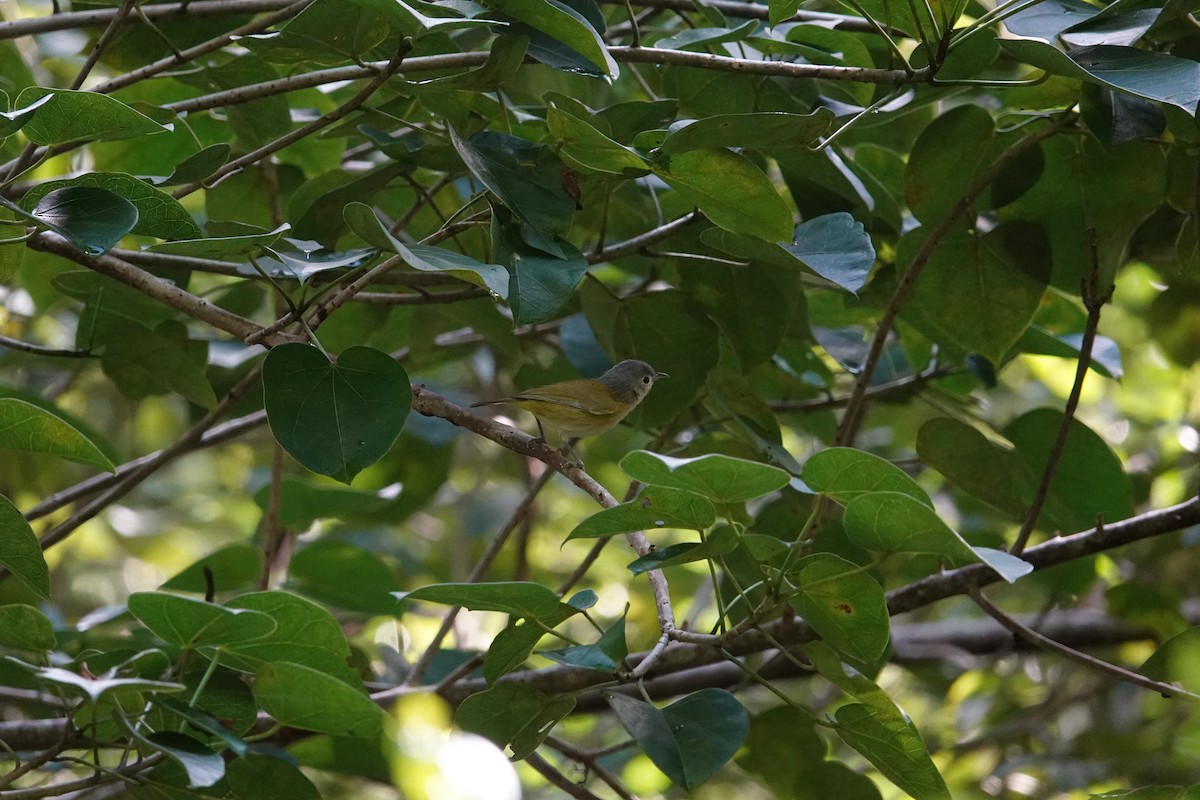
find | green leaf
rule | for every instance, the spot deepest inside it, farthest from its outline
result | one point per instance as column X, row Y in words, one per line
column 148, row 362
column 513, row 714
column 197, row 166
column 1106, row 353
column 305, row 634
column 201, row 720
column 158, row 213
column 893, row 745
column 24, row 426
column 262, row 777
column 14, row 120
column 187, row 623
column 833, row 779
column 690, row 739
column 780, row 744
column 340, row 574
column 25, row 627
column 95, row 688
column 93, row 220
column 233, row 567
column 586, row 148
column 980, row 293
column 721, row 541
column 540, row 283
column 519, row 598
column 836, row 247
column 944, row 161
column 202, row 765
column 563, row 24
column 844, row 605
column 894, row 522
column 11, row 253
column 1089, row 481
column 20, row 553
column 526, row 176
column 221, row 247
column 979, row 467
column 768, row 132
column 696, row 38
column 844, row 473
column 304, row 502
column 1143, row 73
column 731, row 191
column 335, row 418
column 655, row 507
column 605, row 655
column 720, row 478
column 362, row 221
column 72, row 115
column 306, row 698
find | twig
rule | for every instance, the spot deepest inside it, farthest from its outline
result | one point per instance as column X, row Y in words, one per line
column 900, row 385
column 547, row 771
column 852, row 417
column 37, row 349
column 481, row 566
column 1093, row 301
column 592, row 763
column 1046, row 643
column 101, row 44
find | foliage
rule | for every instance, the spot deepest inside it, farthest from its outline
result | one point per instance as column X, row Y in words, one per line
column 925, row 277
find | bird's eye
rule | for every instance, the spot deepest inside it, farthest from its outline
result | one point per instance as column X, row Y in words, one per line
column 646, row 380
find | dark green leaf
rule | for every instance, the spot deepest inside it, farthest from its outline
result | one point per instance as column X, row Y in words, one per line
column 203, row 766
column 836, row 247
column 261, row 777
column 768, row 132
column 305, row 698
column 588, row 149
column 977, row 466
column 233, row 567
column 19, row 550
column 563, row 24
column 721, row 541
column 690, row 739
column 606, row 655
column 893, row 745
column 305, row 634
column 93, row 220
column 197, row 166
column 945, row 159
column 343, row 575
column 335, row 418
column 186, row 622
column 147, row 362
column 222, row 247
column 655, row 507
column 513, row 714
column 158, row 213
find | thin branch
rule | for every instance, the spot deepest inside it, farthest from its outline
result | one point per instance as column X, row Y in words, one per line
column 37, row 349
column 898, row 386
column 782, row 69
column 1093, row 301
column 422, row 298
column 1091, row 662
column 380, row 77
column 852, row 417
column 547, row 771
column 591, row 761
column 102, row 43
column 739, row 10
column 152, row 286
column 85, row 19
column 635, row 243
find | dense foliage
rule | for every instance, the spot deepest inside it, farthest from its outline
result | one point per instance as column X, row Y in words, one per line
column 912, row 515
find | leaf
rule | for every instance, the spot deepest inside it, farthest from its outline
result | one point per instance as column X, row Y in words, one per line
column 606, row 655
column 979, row 467
column 197, row 166
column 235, row 566
column 221, row 247
column 158, row 213
column 263, row 777
column 655, row 507
column 720, row 478
column 730, row 190
column 836, row 247
column 362, row 221
column 95, row 688
column 72, row 115
column 14, row 120
column 24, row 426
column 340, row 574
column 587, row 148
column 980, row 293
column 520, row 598
column 20, row 552
column 526, row 176
column 844, row 473
column 513, row 714
column 187, row 623
column 25, row 627
column 1143, row 73
column 305, row 698
column 768, row 132
column 703, row 37
column 202, row 765
column 690, row 739
column 1106, row 353
column 563, row 24
column 721, row 541
column 305, row 634
column 944, row 161
column 894, row 522
column 780, row 744
column 147, row 362
column 335, row 418
column 893, row 745
column 540, row 284
column 844, row 605
column 1089, row 481
column 93, row 220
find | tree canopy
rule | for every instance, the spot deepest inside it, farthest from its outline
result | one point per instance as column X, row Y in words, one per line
column 913, row 515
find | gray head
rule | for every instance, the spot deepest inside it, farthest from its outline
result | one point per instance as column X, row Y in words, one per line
column 631, row 380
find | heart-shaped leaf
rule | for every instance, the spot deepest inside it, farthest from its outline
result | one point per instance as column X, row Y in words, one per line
column 92, row 219
column 690, row 739
column 335, row 418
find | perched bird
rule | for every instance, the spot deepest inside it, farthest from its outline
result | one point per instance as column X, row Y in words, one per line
column 587, row 407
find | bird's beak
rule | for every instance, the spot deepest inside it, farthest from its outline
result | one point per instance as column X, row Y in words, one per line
column 661, row 375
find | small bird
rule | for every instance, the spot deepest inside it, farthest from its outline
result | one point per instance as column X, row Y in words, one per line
column 587, row 407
